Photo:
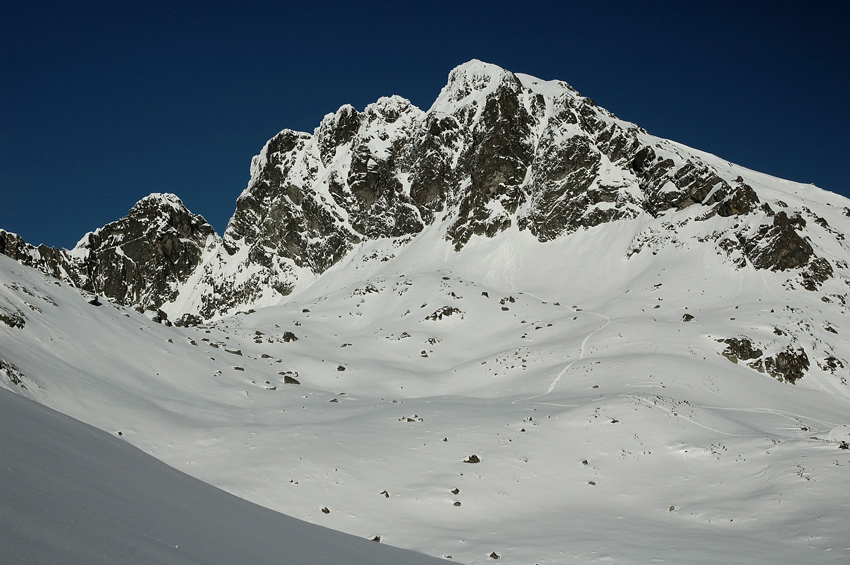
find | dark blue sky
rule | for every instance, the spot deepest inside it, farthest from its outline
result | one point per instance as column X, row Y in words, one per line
column 105, row 102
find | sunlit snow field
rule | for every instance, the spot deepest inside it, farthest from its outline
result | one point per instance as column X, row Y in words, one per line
column 606, row 427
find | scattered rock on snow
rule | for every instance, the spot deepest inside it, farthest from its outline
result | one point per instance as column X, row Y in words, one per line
column 289, row 377
column 444, row 311
column 12, row 373
column 788, row 365
column 187, row 320
column 12, row 318
column 740, row 348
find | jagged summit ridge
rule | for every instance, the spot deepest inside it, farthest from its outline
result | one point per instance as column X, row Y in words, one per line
column 496, row 151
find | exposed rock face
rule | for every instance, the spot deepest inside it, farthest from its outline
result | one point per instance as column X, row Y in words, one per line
column 496, row 151
column 275, row 217
column 45, row 258
column 789, row 364
column 780, row 247
column 144, row 258
column 741, row 348
column 11, row 374
column 12, row 317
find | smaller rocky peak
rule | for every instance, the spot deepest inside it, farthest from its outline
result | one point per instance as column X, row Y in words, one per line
column 286, row 140
column 344, row 116
column 12, row 245
column 143, row 258
column 150, row 217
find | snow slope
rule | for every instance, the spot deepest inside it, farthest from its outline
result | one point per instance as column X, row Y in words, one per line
column 606, row 427
column 73, row 494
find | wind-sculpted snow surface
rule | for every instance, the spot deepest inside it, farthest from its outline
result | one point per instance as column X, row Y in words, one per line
column 511, row 326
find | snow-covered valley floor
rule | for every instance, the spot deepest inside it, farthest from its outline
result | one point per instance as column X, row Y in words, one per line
column 604, row 428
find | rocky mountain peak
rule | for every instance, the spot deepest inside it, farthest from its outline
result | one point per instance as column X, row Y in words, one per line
column 497, row 151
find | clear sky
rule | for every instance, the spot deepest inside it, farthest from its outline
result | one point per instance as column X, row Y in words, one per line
column 105, row 102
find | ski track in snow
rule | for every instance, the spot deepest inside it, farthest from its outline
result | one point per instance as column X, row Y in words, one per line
column 691, row 420
column 781, row 413
column 740, row 284
column 784, row 414
column 581, row 350
column 767, row 287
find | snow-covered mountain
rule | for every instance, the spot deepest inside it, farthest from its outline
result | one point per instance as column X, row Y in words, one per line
column 496, row 151
column 511, row 326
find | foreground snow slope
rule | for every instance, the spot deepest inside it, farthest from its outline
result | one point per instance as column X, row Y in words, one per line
column 606, row 427
column 72, row 494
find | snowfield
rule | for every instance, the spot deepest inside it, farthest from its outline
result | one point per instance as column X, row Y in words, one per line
column 536, row 403
column 73, row 494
